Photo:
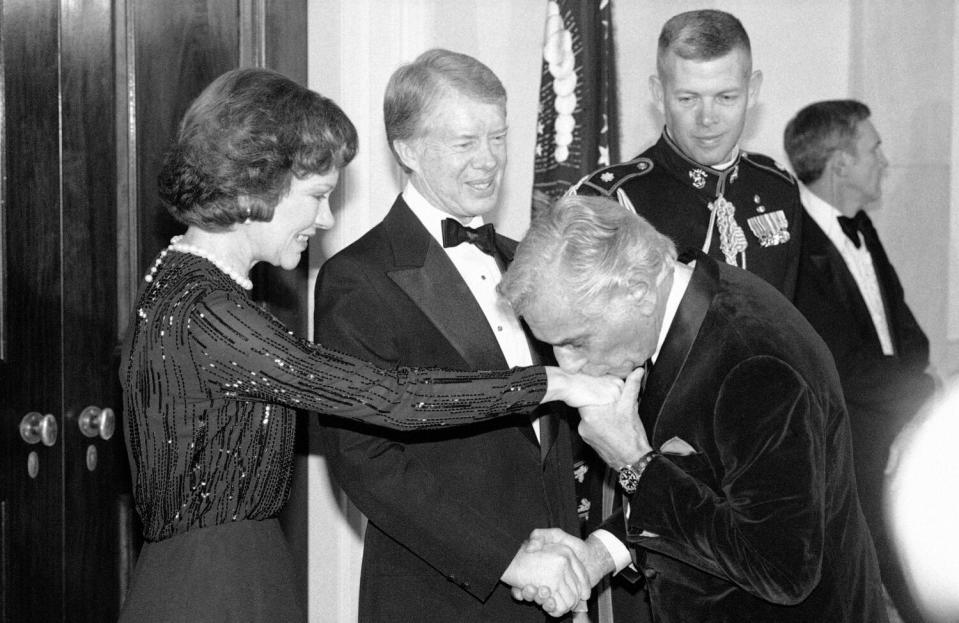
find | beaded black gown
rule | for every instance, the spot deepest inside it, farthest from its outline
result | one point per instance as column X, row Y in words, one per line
column 211, row 386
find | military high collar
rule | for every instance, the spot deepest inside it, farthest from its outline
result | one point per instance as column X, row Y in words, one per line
column 707, row 180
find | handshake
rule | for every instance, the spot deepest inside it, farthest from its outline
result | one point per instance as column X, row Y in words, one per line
column 558, row 570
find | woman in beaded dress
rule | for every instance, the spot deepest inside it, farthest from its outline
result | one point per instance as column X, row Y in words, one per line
column 211, row 381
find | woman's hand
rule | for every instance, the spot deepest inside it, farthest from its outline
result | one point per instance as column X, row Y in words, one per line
column 615, row 431
column 581, row 390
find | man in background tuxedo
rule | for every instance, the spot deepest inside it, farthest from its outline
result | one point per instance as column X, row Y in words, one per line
column 448, row 511
column 849, row 292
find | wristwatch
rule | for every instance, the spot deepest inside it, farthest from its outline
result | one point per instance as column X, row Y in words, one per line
column 630, row 474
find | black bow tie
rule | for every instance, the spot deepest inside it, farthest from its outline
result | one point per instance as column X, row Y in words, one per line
column 455, row 233
column 852, row 226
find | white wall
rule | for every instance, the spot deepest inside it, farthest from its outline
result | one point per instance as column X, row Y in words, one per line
column 907, row 75
column 897, row 56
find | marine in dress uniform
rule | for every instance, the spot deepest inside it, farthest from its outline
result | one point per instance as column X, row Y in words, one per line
column 747, row 214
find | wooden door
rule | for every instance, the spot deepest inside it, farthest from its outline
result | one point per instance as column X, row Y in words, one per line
column 177, row 47
column 64, row 512
column 30, row 373
column 90, row 94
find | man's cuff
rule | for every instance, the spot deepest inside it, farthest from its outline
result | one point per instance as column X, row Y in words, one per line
column 616, row 548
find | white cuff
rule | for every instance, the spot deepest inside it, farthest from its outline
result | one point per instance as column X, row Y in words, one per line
column 616, row 548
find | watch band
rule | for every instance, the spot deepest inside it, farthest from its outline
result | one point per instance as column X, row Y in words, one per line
column 630, row 474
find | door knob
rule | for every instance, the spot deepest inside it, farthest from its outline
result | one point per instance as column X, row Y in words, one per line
column 37, row 428
column 94, row 421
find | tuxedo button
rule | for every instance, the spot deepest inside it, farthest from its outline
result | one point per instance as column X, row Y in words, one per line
column 650, row 573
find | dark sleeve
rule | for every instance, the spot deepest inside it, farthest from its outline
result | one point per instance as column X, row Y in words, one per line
column 887, row 385
column 794, row 247
column 246, row 352
column 764, row 529
column 397, row 490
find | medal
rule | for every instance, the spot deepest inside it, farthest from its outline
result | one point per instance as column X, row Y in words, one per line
column 770, row 228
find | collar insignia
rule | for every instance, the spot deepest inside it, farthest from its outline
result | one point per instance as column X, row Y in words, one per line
column 699, row 178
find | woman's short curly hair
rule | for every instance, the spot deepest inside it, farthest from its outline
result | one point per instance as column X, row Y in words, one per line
column 241, row 142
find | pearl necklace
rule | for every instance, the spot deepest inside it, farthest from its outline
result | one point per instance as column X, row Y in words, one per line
column 175, row 245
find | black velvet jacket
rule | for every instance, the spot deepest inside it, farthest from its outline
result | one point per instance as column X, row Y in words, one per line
column 762, row 522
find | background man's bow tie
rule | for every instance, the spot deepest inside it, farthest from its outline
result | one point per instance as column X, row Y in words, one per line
column 852, row 226
column 455, row 233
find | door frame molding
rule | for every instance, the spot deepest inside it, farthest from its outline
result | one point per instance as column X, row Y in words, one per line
column 128, row 216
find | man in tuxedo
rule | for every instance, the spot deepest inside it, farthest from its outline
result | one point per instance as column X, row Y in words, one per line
column 448, row 511
column 739, row 499
column 849, row 292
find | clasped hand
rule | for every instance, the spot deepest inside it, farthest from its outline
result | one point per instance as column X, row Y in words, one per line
column 557, row 570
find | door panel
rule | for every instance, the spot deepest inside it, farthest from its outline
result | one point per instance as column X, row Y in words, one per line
column 30, row 375
column 181, row 45
column 95, row 470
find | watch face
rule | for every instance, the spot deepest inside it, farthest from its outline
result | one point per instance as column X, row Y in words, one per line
column 628, row 479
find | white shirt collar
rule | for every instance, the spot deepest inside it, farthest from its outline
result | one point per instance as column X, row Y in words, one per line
column 857, row 259
column 431, row 216
column 825, row 215
column 722, row 166
column 682, row 273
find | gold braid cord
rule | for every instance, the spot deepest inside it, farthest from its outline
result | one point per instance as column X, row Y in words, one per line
column 732, row 240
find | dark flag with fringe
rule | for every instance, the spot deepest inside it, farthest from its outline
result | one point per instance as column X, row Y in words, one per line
column 576, row 129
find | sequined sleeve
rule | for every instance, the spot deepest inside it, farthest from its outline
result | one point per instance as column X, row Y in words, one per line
column 247, row 353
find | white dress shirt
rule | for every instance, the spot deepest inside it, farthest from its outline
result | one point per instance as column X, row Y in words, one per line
column 859, row 262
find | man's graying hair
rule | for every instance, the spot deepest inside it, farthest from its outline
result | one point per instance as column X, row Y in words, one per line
column 820, row 129
column 414, row 88
column 588, row 248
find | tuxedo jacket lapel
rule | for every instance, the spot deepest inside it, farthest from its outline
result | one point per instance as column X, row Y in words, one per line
column 890, row 288
column 425, row 273
column 679, row 340
column 423, row 270
column 837, row 281
column 542, row 354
